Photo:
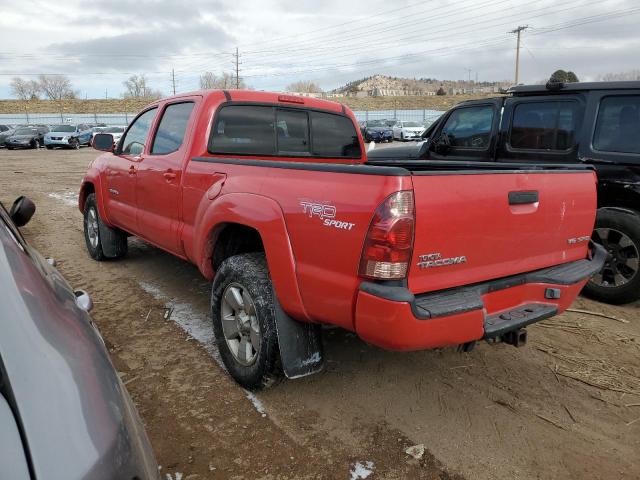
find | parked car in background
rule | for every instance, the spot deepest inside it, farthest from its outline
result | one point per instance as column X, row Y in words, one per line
column 116, row 131
column 403, row 130
column 64, row 413
column 68, row 136
column 376, row 131
column 6, row 134
column 26, row 137
column 595, row 123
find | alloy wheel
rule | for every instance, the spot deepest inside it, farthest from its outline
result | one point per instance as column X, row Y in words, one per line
column 92, row 227
column 623, row 261
column 240, row 324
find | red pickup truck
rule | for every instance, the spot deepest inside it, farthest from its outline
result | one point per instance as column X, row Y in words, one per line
column 272, row 197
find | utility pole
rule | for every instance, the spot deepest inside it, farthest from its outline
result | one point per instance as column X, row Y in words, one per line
column 469, row 72
column 173, row 80
column 236, row 57
column 106, row 94
column 518, row 31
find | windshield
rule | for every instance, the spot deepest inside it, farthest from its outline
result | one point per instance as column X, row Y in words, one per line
column 113, row 130
column 412, row 124
column 63, row 128
column 25, row 131
column 375, row 123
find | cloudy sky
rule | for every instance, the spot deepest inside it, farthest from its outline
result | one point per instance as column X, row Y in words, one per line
column 99, row 44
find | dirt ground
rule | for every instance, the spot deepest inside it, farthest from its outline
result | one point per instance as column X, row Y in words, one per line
column 567, row 405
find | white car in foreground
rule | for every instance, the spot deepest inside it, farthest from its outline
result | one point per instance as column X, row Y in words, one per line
column 407, row 130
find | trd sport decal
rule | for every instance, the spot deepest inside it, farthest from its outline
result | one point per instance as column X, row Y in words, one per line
column 326, row 213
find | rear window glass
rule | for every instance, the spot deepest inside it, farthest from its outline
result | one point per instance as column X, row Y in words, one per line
column 292, row 128
column 333, row 136
column 544, row 125
column 470, row 127
column 171, row 130
column 244, row 129
column 618, row 125
column 265, row 130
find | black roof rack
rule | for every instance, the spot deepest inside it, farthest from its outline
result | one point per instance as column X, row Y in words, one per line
column 552, row 87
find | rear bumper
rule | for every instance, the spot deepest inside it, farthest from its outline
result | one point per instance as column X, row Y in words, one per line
column 394, row 318
column 57, row 143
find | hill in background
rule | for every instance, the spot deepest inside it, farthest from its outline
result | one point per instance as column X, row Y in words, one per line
column 383, row 86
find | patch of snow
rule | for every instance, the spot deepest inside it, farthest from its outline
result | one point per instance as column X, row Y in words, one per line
column 198, row 326
column 256, row 403
column 361, row 470
column 177, row 477
column 68, row 198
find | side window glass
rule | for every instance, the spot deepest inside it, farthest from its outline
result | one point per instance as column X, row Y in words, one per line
column 618, row 125
column 172, row 127
column 133, row 142
column 334, row 136
column 292, row 129
column 244, row 129
column 544, row 125
column 470, row 127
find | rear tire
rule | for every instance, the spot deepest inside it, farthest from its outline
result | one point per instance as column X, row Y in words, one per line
column 102, row 241
column 35, row 145
column 244, row 323
column 619, row 281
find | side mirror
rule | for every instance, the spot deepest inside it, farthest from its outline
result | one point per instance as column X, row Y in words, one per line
column 103, row 142
column 21, row 211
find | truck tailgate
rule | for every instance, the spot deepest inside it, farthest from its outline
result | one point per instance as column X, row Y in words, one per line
column 473, row 226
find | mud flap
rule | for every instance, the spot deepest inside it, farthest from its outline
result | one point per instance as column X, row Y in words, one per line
column 300, row 344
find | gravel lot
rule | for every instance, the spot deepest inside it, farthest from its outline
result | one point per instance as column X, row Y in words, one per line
column 567, row 405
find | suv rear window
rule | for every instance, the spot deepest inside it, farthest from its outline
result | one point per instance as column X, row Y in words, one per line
column 544, row 125
column 266, row 130
column 618, row 125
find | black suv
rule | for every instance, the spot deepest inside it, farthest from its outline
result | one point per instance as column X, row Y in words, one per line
column 594, row 123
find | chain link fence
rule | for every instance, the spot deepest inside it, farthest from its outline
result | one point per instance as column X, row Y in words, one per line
column 425, row 117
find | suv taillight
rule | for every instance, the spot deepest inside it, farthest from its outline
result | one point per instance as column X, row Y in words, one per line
column 389, row 243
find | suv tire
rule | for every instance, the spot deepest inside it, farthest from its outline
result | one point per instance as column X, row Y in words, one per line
column 618, row 282
column 102, row 241
column 244, row 323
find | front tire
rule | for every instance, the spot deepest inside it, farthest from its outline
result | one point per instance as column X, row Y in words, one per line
column 618, row 282
column 244, row 324
column 102, row 241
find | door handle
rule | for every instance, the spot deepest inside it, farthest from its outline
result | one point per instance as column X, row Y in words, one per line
column 523, row 198
column 132, row 170
column 169, row 175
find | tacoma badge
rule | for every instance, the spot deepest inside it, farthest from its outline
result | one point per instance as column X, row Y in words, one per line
column 431, row 260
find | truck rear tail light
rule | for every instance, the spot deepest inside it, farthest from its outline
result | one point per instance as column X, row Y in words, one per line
column 389, row 243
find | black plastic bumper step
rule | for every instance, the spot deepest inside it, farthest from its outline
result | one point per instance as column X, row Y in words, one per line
column 501, row 323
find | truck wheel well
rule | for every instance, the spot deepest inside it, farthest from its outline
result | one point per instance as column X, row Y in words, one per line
column 235, row 239
column 87, row 189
